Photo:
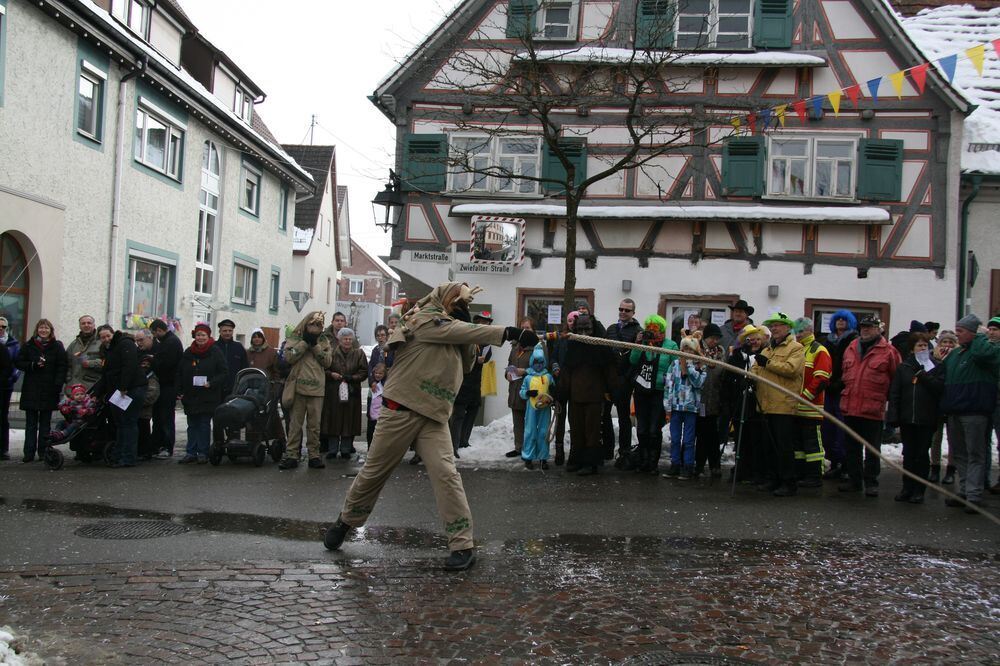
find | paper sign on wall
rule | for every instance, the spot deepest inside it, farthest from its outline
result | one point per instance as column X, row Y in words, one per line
column 718, row 317
column 555, row 314
column 824, row 323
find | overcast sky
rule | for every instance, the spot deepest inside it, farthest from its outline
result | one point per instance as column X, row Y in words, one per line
column 325, row 57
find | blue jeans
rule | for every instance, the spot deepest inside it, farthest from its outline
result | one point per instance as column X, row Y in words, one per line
column 682, row 429
column 36, row 425
column 199, row 434
column 127, row 427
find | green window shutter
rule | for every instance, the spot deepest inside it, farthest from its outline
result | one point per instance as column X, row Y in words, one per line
column 773, row 23
column 654, row 24
column 880, row 169
column 521, row 18
column 425, row 162
column 743, row 166
column 575, row 149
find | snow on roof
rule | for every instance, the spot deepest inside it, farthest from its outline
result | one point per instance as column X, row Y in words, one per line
column 951, row 29
column 195, row 86
column 600, row 54
column 302, row 239
column 830, row 214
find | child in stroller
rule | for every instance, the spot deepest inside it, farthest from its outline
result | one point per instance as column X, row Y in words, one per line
column 76, row 408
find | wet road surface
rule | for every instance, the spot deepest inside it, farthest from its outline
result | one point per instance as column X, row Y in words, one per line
column 617, row 569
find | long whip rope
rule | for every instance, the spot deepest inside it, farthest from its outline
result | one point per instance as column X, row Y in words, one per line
column 763, row 380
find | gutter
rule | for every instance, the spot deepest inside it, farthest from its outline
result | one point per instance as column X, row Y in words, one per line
column 116, row 201
column 962, row 305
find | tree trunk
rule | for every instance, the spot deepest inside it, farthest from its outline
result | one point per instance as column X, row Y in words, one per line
column 569, row 283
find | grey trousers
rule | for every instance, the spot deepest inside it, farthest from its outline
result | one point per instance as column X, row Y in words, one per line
column 969, row 441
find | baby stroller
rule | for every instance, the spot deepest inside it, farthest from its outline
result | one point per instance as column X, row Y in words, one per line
column 93, row 440
column 254, row 407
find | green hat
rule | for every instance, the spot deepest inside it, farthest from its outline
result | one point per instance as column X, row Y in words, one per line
column 995, row 321
column 780, row 318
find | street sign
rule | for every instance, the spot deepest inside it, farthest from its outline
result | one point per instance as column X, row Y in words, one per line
column 484, row 269
column 431, row 256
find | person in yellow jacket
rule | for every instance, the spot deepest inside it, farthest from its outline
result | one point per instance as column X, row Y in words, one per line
column 809, row 452
column 782, row 362
column 433, row 347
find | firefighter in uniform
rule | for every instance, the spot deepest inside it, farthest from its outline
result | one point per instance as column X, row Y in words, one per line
column 809, row 452
column 434, row 348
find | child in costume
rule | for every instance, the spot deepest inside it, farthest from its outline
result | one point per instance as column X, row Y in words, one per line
column 536, row 389
column 76, row 408
column 681, row 400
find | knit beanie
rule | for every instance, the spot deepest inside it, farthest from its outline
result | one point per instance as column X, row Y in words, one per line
column 917, row 327
column 969, row 322
column 201, row 326
column 947, row 335
column 994, row 322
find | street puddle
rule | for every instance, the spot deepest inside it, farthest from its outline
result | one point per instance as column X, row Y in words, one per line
column 237, row 523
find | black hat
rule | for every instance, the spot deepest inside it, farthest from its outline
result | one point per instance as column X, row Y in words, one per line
column 742, row 305
column 711, row 330
column 932, row 326
column 870, row 320
column 227, row 322
column 917, row 327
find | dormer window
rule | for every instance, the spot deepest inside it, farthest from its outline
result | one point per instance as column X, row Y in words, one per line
column 557, row 19
column 134, row 14
column 243, row 105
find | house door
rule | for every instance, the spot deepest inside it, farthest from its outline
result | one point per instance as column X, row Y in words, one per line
column 544, row 306
column 683, row 312
column 14, row 288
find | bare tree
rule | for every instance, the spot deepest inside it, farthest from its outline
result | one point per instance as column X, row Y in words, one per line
column 518, row 85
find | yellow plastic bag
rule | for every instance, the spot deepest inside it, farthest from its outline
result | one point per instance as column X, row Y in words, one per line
column 489, row 385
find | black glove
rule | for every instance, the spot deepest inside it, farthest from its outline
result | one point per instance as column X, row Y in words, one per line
column 532, row 393
column 761, row 360
column 462, row 314
column 310, row 338
column 527, row 339
column 511, row 333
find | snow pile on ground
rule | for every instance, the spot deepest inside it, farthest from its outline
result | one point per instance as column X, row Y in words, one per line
column 9, row 655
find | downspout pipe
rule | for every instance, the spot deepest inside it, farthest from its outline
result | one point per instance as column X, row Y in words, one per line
column 963, row 247
column 116, row 201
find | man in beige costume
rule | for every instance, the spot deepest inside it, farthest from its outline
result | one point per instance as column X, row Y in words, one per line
column 434, row 346
column 309, row 351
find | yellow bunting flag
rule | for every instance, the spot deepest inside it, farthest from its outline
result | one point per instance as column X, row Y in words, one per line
column 976, row 54
column 834, row 98
column 897, row 83
column 780, row 111
column 735, row 122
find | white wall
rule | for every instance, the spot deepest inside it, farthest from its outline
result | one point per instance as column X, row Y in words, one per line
column 984, row 223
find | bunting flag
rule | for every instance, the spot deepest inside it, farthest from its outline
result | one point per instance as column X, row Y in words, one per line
column 896, row 79
column 817, row 103
column 775, row 116
column 919, row 76
column 948, row 66
column 873, row 85
column 780, row 112
column 852, row 94
column 976, row 55
column 800, row 110
column 834, row 98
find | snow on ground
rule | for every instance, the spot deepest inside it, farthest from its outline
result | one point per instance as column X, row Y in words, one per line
column 8, row 654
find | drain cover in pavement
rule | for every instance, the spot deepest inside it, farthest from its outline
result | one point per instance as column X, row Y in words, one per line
column 668, row 658
column 130, row 529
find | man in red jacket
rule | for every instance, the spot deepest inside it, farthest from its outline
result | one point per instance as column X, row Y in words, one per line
column 869, row 364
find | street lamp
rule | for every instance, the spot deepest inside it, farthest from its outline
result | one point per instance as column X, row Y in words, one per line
column 393, row 200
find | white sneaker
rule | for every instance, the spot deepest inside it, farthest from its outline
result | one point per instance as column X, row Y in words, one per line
column 163, row 454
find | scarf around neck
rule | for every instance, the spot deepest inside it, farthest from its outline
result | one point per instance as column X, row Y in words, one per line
column 195, row 348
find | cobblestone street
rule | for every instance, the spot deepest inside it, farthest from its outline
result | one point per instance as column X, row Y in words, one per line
column 569, row 599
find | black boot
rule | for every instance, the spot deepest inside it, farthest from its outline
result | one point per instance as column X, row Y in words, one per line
column 949, row 475
column 655, row 450
column 935, row 474
column 560, row 454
